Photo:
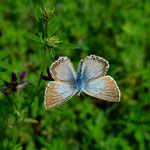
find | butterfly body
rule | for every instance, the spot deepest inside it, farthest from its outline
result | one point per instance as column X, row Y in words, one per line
column 90, row 79
column 81, row 77
column 79, row 84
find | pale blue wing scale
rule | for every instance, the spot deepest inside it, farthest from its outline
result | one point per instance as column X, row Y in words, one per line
column 58, row 93
column 93, row 67
column 104, row 88
column 63, row 70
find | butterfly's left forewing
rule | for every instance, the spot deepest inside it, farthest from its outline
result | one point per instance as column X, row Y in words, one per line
column 93, row 67
column 58, row 93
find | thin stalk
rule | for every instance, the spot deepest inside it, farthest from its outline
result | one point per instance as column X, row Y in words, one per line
column 46, row 30
column 16, row 134
column 39, row 82
column 35, row 92
column 42, row 68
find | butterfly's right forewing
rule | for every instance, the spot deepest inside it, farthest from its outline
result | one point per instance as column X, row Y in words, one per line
column 63, row 70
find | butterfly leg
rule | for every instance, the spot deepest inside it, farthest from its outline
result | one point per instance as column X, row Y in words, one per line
column 79, row 93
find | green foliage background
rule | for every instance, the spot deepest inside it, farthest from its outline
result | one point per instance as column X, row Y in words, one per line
column 117, row 30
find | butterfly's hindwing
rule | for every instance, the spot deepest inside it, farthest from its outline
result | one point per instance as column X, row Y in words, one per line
column 104, row 88
column 58, row 93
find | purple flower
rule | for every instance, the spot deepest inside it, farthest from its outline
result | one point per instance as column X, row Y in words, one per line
column 47, row 78
column 14, row 86
column 22, row 75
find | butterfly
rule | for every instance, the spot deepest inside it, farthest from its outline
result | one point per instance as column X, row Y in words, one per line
column 90, row 79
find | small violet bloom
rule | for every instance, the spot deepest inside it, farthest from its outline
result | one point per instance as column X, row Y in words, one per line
column 47, row 78
column 14, row 86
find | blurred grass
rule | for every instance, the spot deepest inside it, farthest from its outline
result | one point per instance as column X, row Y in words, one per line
column 116, row 30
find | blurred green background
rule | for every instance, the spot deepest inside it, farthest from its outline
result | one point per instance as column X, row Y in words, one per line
column 117, row 30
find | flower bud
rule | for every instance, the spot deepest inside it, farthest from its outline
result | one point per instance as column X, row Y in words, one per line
column 53, row 41
column 47, row 14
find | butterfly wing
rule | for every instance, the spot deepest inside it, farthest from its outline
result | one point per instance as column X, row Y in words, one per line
column 104, row 88
column 93, row 67
column 63, row 70
column 63, row 88
column 58, row 93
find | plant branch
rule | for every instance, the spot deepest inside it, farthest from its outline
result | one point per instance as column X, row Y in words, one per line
column 45, row 29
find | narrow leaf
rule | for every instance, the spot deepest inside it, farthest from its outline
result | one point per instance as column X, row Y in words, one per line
column 44, row 142
column 3, row 54
column 33, row 37
column 67, row 46
column 39, row 23
column 39, row 26
column 37, row 14
column 6, row 65
column 30, row 120
column 53, row 26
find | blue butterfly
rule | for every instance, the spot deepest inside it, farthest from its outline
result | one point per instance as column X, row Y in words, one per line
column 90, row 79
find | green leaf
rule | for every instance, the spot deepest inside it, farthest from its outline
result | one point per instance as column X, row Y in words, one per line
column 39, row 23
column 37, row 14
column 67, row 46
column 30, row 120
column 43, row 142
column 39, row 26
column 17, row 146
column 33, row 37
column 3, row 54
column 53, row 26
column 6, row 65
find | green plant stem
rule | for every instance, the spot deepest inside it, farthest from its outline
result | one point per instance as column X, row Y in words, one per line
column 39, row 82
column 16, row 135
column 46, row 30
column 36, row 90
column 42, row 68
